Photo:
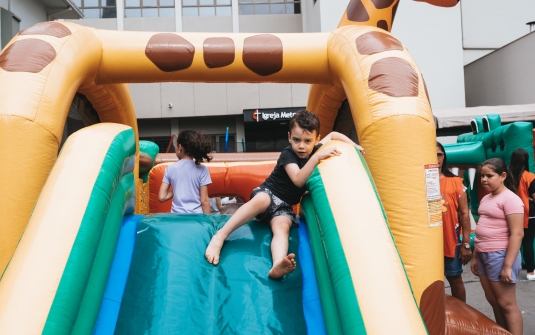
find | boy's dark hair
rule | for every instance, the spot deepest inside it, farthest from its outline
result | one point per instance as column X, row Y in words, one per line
column 195, row 145
column 306, row 120
column 498, row 166
column 519, row 163
column 445, row 171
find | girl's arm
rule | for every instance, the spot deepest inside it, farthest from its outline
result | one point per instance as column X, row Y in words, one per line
column 341, row 137
column 515, row 222
column 218, row 203
column 165, row 193
column 473, row 266
column 464, row 220
column 205, row 201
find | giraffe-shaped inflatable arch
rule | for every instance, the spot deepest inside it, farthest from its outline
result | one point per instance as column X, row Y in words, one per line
column 45, row 65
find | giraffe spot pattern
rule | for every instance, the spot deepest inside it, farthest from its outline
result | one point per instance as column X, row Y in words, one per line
column 381, row 4
column 394, row 77
column 218, row 52
column 356, row 11
column 28, row 55
column 170, row 52
column 382, row 24
column 432, row 306
column 47, row 28
column 262, row 54
column 375, row 42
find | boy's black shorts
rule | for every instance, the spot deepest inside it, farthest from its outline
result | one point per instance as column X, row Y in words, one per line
column 277, row 208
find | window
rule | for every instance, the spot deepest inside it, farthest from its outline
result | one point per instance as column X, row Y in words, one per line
column 149, row 8
column 97, row 9
column 251, row 7
column 206, row 8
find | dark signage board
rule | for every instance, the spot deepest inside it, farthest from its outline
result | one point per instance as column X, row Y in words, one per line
column 269, row 114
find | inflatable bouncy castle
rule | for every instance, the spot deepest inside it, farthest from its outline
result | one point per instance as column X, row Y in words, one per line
column 78, row 254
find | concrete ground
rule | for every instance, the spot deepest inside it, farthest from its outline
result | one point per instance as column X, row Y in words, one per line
column 525, row 295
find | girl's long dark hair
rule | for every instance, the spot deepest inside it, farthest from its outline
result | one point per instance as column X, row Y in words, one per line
column 195, row 145
column 445, row 171
column 498, row 166
column 519, row 164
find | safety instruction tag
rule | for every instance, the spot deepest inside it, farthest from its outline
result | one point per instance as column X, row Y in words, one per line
column 434, row 199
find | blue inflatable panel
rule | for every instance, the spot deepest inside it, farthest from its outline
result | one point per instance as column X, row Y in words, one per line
column 311, row 295
column 111, row 302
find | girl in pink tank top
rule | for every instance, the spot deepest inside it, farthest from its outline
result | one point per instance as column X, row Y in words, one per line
column 496, row 258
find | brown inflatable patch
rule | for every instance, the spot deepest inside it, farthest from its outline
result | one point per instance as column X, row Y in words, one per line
column 463, row 319
column 394, row 77
column 381, row 4
column 356, row 11
column 170, row 52
column 375, row 42
column 262, row 54
column 47, row 28
column 29, row 55
column 432, row 307
column 218, row 52
column 382, row 24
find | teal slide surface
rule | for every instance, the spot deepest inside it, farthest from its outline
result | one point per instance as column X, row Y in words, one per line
column 172, row 289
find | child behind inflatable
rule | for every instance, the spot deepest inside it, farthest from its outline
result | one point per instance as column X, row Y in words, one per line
column 187, row 177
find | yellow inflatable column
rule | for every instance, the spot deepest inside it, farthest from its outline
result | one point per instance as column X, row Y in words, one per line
column 394, row 122
column 40, row 71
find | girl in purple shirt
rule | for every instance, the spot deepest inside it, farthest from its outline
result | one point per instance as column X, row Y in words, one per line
column 186, row 181
column 496, row 259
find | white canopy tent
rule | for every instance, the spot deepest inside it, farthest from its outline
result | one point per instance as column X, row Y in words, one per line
column 459, row 117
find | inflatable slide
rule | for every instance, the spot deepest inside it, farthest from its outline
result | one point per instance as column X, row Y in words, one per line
column 69, row 255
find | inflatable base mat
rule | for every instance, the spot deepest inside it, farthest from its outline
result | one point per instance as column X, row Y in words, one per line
column 172, row 289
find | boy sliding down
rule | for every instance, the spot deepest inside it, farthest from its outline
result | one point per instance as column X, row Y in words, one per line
column 272, row 201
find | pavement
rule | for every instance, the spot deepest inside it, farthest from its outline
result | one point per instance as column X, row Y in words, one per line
column 525, row 295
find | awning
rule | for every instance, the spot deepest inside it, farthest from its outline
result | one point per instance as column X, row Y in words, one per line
column 62, row 9
column 459, row 117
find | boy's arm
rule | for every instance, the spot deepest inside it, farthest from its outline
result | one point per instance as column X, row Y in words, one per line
column 165, row 193
column 205, row 201
column 300, row 176
column 341, row 137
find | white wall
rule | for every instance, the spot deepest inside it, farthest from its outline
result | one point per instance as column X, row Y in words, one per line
column 491, row 24
column 504, row 77
column 108, row 24
column 433, row 37
column 29, row 11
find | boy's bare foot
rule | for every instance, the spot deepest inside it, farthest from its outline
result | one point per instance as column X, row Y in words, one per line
column 214, row 249
column 283, row 267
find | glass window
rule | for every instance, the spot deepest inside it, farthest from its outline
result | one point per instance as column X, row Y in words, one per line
column 132, row 13
column 149, row 8
column 91, row 3
column 92, row 13
column 167, row 12
column 206, row 11
column 261, row 9
column 188, row 3
column 223, row 2
column 190, row 11
column 223, row 11
column 246, row 9
column 95, row 9
column 149, row 12
column 278, row 8
column 250, row 7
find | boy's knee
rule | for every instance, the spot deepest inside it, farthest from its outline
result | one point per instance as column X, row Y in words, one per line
column 281, row 224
